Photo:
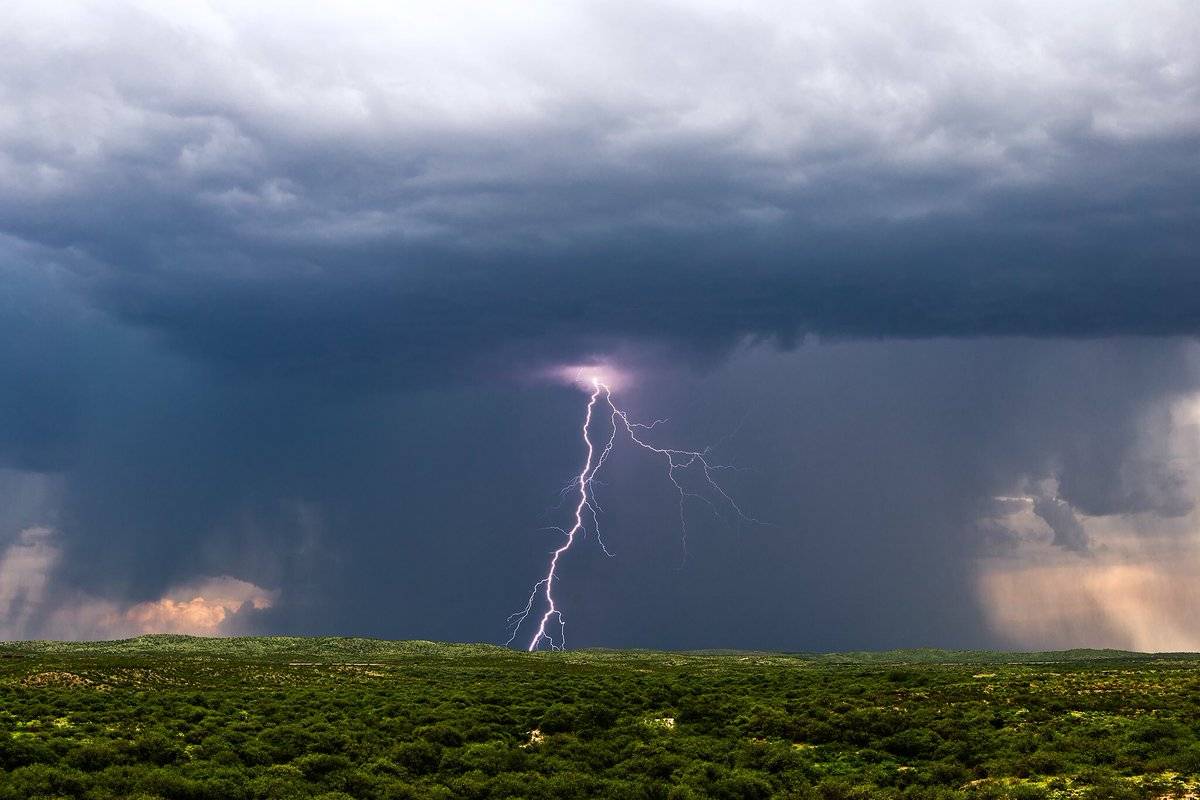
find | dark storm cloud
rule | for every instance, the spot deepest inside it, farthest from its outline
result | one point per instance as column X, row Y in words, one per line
column 1058, row 514
column 361, row 203
column 260, row 269
column 43, row 358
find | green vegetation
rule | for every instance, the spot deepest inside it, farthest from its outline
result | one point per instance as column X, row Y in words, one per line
column 230, row 719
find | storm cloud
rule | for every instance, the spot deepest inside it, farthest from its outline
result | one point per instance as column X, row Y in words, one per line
column 278, row 282
column 288, row 189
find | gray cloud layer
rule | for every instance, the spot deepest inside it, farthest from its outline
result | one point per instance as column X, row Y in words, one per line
column 326, row 186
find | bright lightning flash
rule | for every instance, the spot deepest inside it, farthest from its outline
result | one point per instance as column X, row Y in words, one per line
column 586, row 507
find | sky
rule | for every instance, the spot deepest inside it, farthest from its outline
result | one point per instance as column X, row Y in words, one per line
column 287, row 292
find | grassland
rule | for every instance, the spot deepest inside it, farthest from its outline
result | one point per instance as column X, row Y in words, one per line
column 335, row 718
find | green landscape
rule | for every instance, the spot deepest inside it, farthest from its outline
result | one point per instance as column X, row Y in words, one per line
column 335, row 718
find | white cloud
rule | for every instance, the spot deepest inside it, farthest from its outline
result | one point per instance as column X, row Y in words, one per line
column 450, row 103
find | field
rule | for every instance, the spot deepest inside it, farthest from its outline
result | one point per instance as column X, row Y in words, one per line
column 180, row 717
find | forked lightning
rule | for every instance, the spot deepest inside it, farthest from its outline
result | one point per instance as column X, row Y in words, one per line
column 542, row 597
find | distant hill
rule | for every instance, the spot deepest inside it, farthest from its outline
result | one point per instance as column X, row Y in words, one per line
column 321, row 648
column 350, row 649
column 926, row 655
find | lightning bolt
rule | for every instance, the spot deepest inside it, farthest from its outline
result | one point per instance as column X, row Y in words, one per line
column 587, row 508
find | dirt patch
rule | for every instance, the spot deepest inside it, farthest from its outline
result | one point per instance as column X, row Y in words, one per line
column 67, row 679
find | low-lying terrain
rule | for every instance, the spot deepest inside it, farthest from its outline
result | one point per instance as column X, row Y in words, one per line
column 182, row 717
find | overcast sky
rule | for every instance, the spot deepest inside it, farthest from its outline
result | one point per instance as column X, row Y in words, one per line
column 283, row 289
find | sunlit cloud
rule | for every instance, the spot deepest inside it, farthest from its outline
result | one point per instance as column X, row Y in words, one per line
column 1148, row 607
column 33, row 606
column 1061, row 578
